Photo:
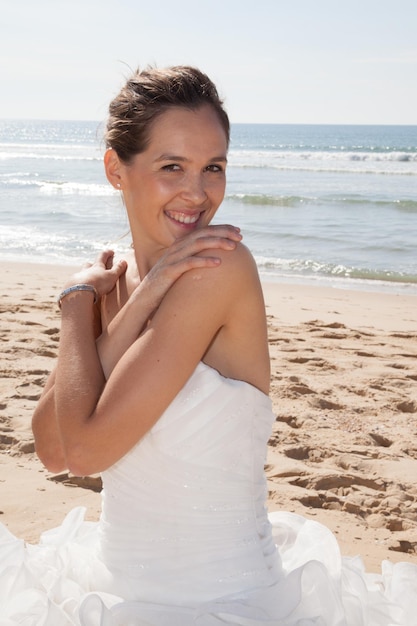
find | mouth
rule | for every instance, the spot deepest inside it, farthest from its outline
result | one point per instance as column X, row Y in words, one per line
column 187, row 219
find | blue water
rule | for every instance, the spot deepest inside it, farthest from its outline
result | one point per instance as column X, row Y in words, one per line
column 335, row 205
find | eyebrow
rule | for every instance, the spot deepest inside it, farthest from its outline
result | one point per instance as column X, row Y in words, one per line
column 181, row 159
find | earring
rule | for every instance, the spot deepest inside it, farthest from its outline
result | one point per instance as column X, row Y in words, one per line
column 118, row 186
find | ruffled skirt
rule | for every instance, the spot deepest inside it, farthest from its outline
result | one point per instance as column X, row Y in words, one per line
column 62, row 581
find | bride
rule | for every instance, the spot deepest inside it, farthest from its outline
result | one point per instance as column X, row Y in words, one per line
column 161, row 384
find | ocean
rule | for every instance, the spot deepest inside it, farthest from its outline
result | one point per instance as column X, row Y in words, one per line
column 330, row 205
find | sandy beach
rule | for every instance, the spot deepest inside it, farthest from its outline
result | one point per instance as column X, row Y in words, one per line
column 344, row 389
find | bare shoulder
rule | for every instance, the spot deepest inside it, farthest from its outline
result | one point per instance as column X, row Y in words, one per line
column 226, row 291
column 240, row 259
column 240, row 348
column 237, row 271
column 217, row 315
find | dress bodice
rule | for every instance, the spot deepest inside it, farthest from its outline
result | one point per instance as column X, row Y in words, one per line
column 186, row 506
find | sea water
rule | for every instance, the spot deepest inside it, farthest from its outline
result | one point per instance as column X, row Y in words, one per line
column 335, row 205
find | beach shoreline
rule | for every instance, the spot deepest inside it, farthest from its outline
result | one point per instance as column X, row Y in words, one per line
column 344, row 389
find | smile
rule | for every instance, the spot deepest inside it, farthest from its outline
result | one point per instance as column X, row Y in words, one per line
column 183, row 218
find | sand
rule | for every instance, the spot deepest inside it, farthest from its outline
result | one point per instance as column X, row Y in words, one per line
column 344, row 389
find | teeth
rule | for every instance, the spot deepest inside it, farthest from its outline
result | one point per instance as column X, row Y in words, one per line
column 183, row 218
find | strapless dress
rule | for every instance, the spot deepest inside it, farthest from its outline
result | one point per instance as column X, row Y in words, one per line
column 184, row 538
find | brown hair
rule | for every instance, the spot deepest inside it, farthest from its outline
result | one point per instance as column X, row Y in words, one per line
column 146, row 95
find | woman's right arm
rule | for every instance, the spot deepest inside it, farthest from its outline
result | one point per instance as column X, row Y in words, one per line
column 48, row 443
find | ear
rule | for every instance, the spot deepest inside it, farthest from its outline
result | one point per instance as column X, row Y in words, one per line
column 113, row 166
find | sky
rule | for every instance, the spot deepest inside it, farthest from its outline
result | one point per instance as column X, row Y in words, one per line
column 273, row 61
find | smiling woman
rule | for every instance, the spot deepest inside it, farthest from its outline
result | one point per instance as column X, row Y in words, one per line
column 161, row 384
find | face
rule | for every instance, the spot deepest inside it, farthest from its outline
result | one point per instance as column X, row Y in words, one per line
column 177, row 184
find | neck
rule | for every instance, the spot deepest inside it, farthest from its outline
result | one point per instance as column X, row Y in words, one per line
column 145, row 259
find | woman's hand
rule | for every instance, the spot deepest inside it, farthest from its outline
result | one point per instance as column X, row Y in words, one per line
column 102, row 274
column 186, row 254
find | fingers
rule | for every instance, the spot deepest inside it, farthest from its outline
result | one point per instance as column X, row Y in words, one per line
column 184, row 253
column 218, row 231
column 105, row 258
column 221, row 236
column 119, row 268
column 195, row 262
column 102, row 274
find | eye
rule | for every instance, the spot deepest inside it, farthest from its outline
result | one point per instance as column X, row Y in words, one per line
column 214, row 168
column 171, row 167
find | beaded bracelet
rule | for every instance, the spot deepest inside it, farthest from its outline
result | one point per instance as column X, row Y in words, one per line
column 80, row 287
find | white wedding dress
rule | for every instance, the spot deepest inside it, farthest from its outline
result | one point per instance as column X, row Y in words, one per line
column 184, row 538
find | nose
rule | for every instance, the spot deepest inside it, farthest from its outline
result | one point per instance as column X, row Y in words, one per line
column 194, row 189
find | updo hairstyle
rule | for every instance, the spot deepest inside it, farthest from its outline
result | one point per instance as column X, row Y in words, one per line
column 148, row 94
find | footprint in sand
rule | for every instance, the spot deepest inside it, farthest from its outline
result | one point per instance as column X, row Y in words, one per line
column 321, row 403
column 27, row 391
column 86, row 482
column 408, row 406
column 51, row 331
column 45, row 352
column 293, row 421
column 6, row 441
column 405, row 546
column 380, row 440
column 307, row 453
column 335, row 481
column 300, row 389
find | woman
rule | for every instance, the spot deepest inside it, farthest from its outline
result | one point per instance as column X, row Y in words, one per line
column 161, row 385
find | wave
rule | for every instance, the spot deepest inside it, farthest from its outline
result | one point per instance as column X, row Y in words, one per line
column 85, row 189
column 20, row 243
column 268, row 199
column 326, row 155
column 60, row 187
column 294, row 201
column 50, row 156
column 403, row 163
column 329, row 170
column 301, row 267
